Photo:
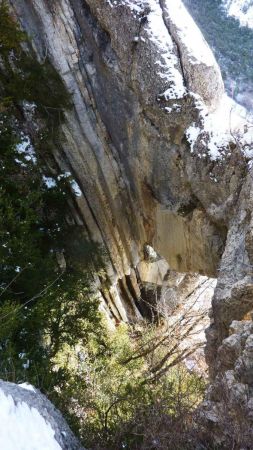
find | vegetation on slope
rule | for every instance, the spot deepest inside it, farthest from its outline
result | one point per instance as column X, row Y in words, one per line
column 43, row 305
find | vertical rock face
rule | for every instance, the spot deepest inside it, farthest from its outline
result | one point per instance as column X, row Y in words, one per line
column 199, row 67
column 131, row 76
column 147, row 142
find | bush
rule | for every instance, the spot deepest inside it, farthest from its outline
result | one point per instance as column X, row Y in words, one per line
column 46, row 300
column 112, row 405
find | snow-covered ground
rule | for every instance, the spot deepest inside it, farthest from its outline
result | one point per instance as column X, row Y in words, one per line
column 27, row 386
column 241, row 10
column 23, row 428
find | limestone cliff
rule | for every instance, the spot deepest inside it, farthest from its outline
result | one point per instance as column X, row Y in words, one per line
column 149, row 143
column 131, row 81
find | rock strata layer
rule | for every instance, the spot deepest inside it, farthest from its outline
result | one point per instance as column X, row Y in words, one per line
column 131, row 80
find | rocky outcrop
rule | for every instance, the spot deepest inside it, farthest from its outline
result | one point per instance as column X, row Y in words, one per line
column 30, row 421
column 131, row 77
column 151, row 146
column 227, row 410
column 199, row 67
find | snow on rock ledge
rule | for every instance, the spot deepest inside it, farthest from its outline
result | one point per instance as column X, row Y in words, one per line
column 168, row 61
column 186, row 62
column 155, row 34
column 28, row 421
column 200, row 69
column 212, row 134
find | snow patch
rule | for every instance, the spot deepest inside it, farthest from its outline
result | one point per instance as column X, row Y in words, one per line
column 75, row 188
column 27, row 386
column 241, row 10
column 168, row 62
column 215, row 131
column 49, row 182
column 26, row 148
column 189, row 34
column 23, row 428
column 73, row 183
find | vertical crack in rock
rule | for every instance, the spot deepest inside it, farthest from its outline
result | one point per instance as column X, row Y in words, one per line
column 201, row 72
column 175, row 41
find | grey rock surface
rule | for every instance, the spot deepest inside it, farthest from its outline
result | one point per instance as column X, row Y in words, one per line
column 199, row 67
column 125, row 138
column 227, row 411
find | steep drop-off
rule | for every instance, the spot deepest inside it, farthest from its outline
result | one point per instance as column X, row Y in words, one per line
column 227, row 26
column 149, row 142
column 125, row 137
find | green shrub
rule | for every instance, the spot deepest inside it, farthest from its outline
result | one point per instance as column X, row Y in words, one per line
column 112, row 406
column 42, row 306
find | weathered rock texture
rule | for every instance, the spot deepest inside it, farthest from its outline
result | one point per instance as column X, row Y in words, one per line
column 228, row 408
column 131, row 75
column 125, row 137
column 31, row 399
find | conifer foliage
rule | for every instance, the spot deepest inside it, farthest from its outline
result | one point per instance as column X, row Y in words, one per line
column 42, row 306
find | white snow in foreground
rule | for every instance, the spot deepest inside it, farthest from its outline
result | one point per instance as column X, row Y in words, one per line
column 23, row 428
column 241, row 10
column 189, row 34
column 229, row 122
column 27, row 386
